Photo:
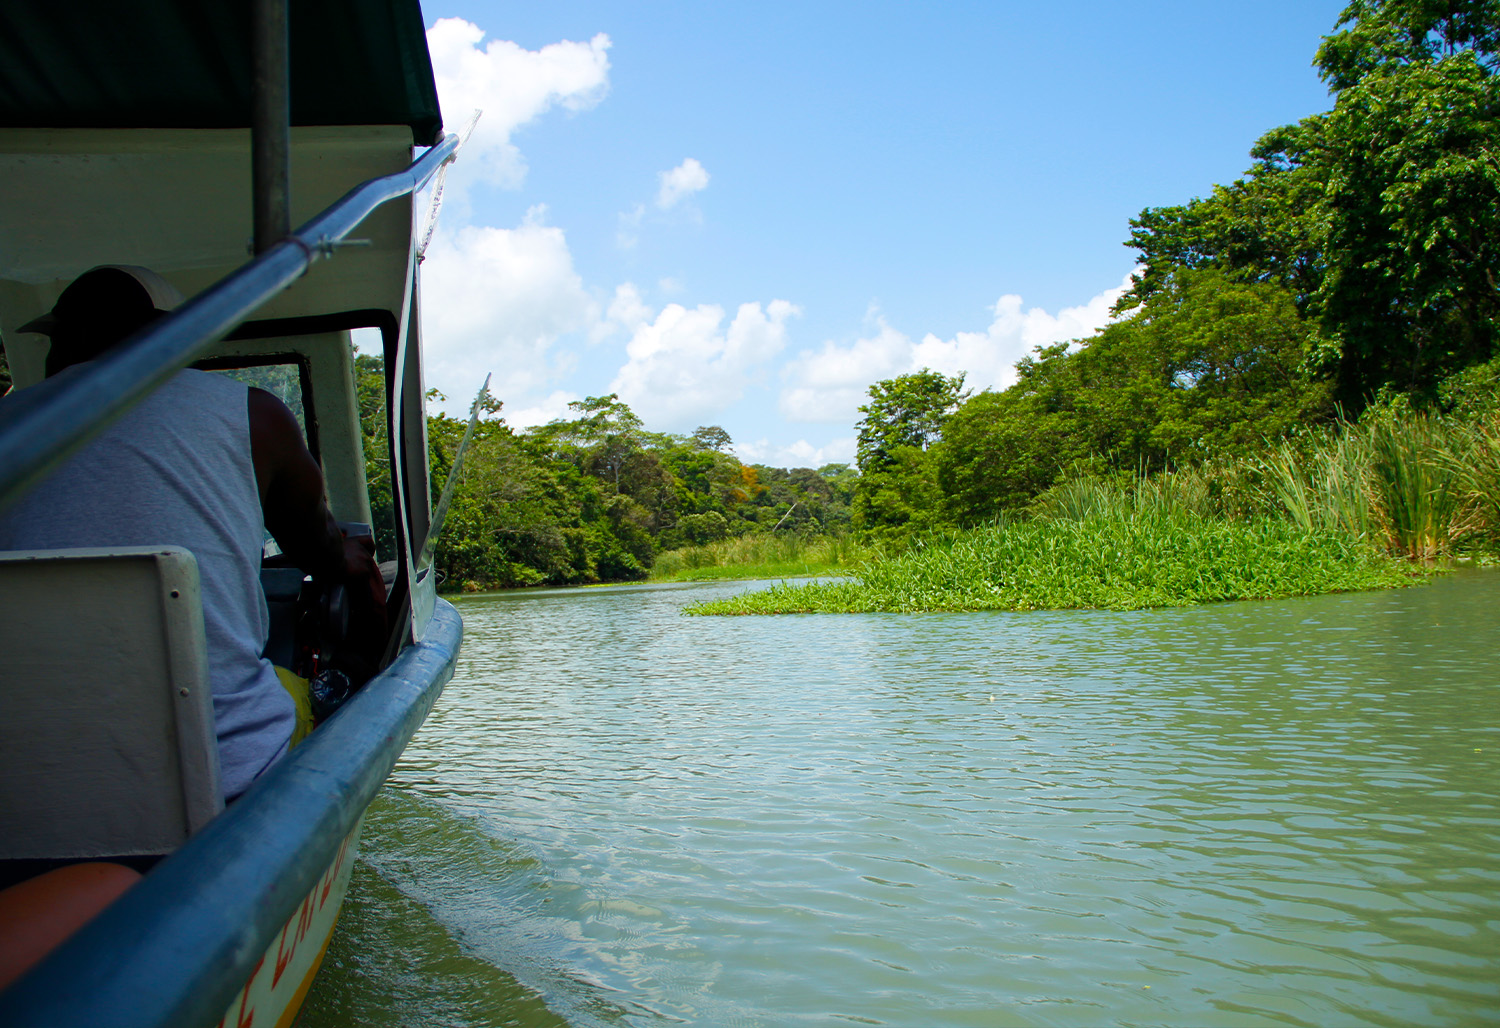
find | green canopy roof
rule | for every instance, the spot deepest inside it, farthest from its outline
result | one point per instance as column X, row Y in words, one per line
column 186, row 64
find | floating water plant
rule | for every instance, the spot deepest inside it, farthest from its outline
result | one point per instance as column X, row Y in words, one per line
column 1115, row 563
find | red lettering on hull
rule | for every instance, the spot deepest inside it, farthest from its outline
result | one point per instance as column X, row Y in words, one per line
column 247, row 1013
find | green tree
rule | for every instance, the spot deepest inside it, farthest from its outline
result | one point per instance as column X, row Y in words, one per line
column 908, row 410
column 712, row 437
column 1380, row 215
column 1207, row 366
column 1385, row 36
column 896, row 492
column 1412, row 209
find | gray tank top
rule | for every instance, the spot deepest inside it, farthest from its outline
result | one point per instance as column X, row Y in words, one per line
column 176, row 470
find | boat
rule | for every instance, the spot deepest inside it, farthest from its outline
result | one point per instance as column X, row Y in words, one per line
column 183, row 138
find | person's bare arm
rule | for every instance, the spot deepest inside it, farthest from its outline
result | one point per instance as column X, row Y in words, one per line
column 295, row 508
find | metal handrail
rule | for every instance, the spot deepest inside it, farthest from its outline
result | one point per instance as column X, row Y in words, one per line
column 38, row 431
column 175, row 948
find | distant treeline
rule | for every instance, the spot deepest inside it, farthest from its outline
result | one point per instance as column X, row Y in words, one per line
column 594, row 498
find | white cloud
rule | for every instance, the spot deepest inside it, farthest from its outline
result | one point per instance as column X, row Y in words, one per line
column 800, row 454
column 627, row 309
column 687, row 178
column 681, row 365
column 550, row 408
column 495, row 300
column 512, row 85
column 828, row 385
column 990, row 356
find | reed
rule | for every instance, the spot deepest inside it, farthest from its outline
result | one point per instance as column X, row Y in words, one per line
column 1417, row 485
column 1414, row 484
column 760, row 555
column 1324, row 483
column 1476, row 467
column 1187, row 491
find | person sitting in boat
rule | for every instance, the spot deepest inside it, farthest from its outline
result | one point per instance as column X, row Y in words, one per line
column 204, row 462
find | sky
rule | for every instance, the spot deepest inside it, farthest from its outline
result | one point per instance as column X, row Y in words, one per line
column 744, row 215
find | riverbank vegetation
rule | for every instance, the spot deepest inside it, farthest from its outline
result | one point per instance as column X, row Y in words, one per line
column 763, row 555
column 1298, row 393
column 1097, row 561
column 600, row 498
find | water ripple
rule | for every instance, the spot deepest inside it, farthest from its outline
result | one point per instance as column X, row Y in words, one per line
column 1258, row 813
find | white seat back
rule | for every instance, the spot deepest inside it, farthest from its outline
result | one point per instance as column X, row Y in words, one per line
column 107, row 743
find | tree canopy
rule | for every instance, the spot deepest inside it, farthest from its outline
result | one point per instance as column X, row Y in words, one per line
column 1381, row 215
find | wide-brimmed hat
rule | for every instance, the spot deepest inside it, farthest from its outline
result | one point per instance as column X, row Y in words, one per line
column 125, row 295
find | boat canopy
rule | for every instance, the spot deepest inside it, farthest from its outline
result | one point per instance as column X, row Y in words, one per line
column 186, row 64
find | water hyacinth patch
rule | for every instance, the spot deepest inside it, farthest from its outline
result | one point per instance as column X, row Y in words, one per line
column 1101, row 563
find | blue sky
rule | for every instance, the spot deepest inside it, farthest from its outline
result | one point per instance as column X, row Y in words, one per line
column 743, row 215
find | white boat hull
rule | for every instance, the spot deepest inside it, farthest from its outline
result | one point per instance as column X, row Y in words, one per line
column 275, row 990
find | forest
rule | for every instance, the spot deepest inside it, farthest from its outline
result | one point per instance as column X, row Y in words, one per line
column 596, row 497
column 1315, row 340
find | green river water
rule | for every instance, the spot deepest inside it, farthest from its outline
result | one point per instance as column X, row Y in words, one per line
column 1256, row 813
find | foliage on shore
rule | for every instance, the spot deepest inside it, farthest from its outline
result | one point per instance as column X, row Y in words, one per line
column 761, row 555
column 1316, row 341
column 1099, row 561
column 599, row 498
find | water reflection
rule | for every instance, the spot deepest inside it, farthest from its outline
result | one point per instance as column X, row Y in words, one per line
column 1258, row 813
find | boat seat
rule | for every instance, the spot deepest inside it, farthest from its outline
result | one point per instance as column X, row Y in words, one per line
column 107, row 744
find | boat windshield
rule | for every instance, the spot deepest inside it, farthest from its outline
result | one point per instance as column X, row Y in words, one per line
column 283, row 377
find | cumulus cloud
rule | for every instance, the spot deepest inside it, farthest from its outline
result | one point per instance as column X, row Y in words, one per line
column 684, row 365
column 495, row 300
column 687, row 178
column 829, row 384
column 550, row 408
column 800, row 454
column 512, row 85
column 990, row 356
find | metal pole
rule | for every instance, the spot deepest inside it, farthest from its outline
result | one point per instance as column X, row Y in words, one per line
column 270, row 122
column 48, row 421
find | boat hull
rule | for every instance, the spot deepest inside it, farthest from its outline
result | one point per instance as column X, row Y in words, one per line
column 276, row 988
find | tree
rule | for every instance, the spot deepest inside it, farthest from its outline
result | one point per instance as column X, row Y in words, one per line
column 908, row 410
column 1265, row 228
column 1385, row 36
column 1381, row 215
column 1207, row 366
column 712, row 437
column 1412, row 209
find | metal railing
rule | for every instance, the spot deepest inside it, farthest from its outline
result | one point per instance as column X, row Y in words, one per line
column 40, row 429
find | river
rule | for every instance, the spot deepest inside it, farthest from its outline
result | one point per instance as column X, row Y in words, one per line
column 1260, row 813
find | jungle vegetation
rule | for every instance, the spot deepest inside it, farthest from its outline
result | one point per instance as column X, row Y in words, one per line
column 597, row 497
column 1331, row 315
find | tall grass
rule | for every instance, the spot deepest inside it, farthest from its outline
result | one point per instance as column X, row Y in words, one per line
column 761, row 554
column 1325, row 484
column 1414, row 484
column 1418, row 486
column 1187, row 492
column 1476, row 466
